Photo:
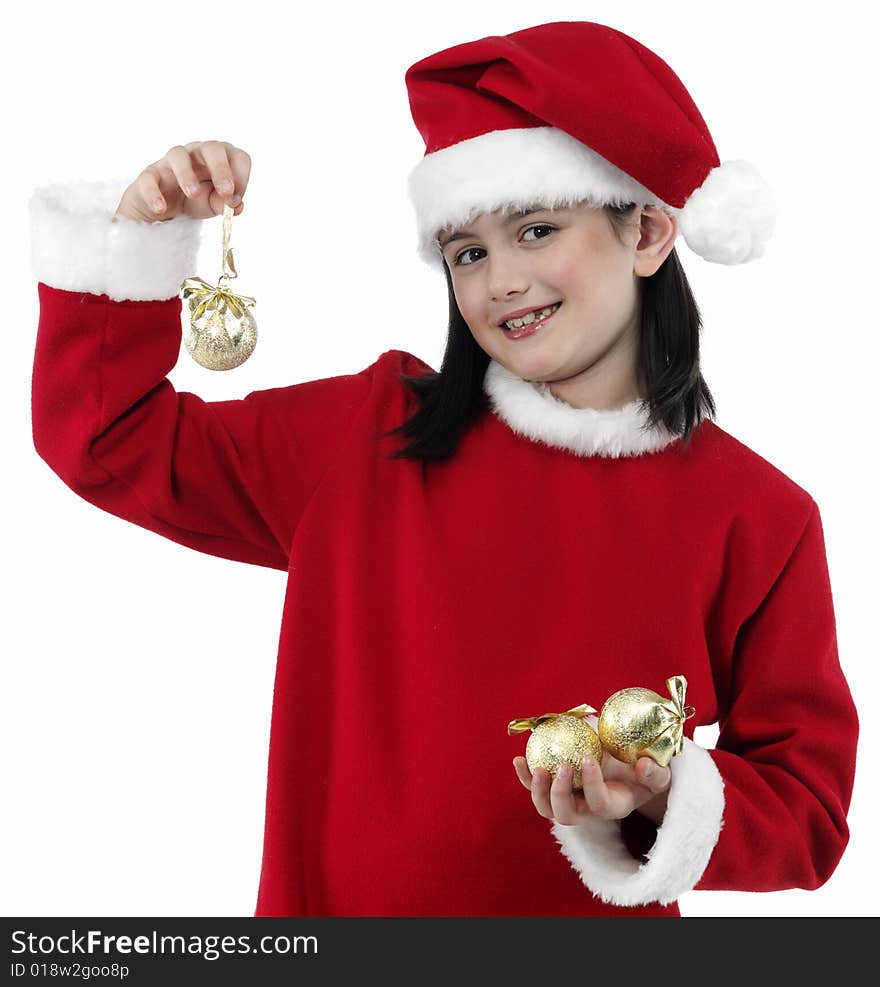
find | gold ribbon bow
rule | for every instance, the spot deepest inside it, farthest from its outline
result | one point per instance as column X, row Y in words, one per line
column 530, row 722
column 204, row 297
column 678, row 712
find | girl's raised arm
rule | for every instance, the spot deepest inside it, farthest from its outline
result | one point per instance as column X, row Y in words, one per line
column 229, row 478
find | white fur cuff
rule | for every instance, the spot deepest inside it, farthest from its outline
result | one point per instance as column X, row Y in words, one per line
column 684, row 844
column 77, row 245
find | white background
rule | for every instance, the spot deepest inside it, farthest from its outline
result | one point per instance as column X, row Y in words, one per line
column 137, row 674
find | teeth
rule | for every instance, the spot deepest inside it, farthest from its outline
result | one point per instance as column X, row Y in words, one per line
column 531, row 317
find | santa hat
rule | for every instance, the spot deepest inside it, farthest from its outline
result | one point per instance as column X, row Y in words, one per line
column 567, row 112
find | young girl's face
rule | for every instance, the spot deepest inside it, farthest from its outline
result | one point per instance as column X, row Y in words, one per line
column 507, row 261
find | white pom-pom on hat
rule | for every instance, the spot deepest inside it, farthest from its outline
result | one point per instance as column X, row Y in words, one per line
column 731, row 216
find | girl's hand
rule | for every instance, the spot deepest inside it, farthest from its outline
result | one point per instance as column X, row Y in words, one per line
column 193, row 180
column 610, row 792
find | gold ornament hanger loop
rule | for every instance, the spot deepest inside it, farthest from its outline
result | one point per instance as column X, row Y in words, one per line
column 227, row 260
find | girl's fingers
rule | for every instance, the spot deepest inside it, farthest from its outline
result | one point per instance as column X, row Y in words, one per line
column 240, row 162
column 178, row 158
column 228, row 166
column 596, row 793
column 562, row 798
column 218, row 168
column 555, row 799
column 541, row 792
column 213, row 154
column 148, row 187
column 155, row 184
column 652, row 775
column 522, row 772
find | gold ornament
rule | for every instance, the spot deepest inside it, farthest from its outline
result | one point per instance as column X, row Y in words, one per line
column 557, row 738
column 222, row 332
column 638, row 723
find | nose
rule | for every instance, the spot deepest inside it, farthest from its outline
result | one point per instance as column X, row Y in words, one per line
column 506, row 276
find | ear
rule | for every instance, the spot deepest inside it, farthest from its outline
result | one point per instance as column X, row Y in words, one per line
column 658, row 232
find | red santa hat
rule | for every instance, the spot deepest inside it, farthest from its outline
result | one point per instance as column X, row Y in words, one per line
column 567, row 112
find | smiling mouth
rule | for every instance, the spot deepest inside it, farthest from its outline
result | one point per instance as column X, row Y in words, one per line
column 531, row 327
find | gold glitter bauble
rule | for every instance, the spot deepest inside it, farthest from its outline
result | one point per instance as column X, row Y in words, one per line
column 222, row 332
column 220, row 340
column 638, row 723
column 559, row 739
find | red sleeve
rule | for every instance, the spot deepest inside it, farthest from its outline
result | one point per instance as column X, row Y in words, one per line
column 787, row 743
column 229, row 478
column 765, row 810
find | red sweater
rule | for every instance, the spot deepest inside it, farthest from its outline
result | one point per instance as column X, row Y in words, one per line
column 555, row 559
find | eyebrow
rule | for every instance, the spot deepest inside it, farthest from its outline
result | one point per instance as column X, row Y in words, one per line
column 519, row 214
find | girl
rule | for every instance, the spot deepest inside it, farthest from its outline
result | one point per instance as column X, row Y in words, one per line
column 550, row 518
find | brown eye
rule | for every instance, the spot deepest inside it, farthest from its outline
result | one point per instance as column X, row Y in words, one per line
column 539, row 226
column 458, row 261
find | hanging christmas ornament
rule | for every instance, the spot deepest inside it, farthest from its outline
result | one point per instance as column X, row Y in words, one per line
column 222, row 332
column 557, row 738
column 638, row 723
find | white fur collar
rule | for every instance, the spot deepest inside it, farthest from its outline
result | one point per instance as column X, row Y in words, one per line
column 531, row 410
